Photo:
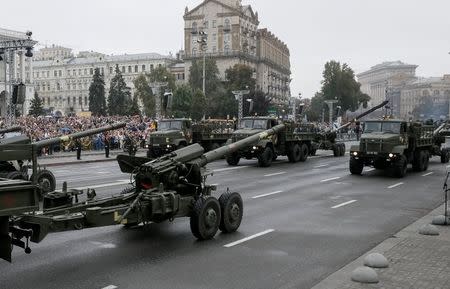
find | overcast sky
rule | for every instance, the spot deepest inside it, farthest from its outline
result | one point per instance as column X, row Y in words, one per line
column 361, row 33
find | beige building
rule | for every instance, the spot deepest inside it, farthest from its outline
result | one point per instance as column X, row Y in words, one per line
column 63, row 81
column 233, row 38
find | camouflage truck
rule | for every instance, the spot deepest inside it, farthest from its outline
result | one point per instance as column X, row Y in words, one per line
column 391, row 145
column 173, row 134
column 294, row 141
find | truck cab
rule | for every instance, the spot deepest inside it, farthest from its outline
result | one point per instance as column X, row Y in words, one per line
column 171, row 134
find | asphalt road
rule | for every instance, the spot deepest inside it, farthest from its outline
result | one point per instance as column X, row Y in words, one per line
column 302, row 222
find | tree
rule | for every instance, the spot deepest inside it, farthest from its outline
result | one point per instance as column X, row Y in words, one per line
column 37, row 107
column 97, row 101
column 119, row 95
column 143, row 91
column 198, row 105
column 260, row 103
column 339, row 83
column 240, row 77
column 182, row 100
column 315, row 109
column 134, row 108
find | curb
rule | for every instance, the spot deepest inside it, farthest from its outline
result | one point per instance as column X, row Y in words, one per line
column 78, row 162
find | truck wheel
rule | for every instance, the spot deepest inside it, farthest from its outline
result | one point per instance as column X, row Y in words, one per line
column 427, row 160
column 231, row 206
column 336, row 150
column 205, row 218
column 305, row 153
column 418, row 161
column 400, row 167
column 342, row 146
column 444, row 156
column 356, row 166
column 293, row 153
column 265, row 158
column 233, row 159
column 46, row 181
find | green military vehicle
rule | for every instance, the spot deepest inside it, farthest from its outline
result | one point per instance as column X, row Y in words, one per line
column 391, row 145
column 294, row 141
column 441, row 148
column 173, row 134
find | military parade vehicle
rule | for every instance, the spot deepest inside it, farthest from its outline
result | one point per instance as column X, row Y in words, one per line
column 17, row 151
column 173, row 134
column 169, row 187
column 440, row 147
column 391, row 144
column 288, row 141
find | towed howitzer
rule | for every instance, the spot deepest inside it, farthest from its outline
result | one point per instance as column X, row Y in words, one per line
column 165, row 188
column 362, row 115
column 10, row 129
column 15, row 150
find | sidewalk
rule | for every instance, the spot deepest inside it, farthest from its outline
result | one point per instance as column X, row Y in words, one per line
column 415, row 261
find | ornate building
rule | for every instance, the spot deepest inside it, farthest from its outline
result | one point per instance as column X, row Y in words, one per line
column 232, row 37
column 63, row 81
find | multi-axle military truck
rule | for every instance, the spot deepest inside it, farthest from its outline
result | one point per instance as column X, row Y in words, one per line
column 169, row 187
column 294, row 141
column 391, row 145
column 173, row 134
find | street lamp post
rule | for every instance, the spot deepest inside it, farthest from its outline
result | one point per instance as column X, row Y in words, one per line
column 330, row 106
column 156, row 89
column 239, row 95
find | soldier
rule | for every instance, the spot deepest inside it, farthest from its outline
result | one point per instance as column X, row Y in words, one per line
column 106, row 145
column 78, row 147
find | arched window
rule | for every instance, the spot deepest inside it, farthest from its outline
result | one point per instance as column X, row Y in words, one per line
column 227, row 25
column 194, row 27
column 194, row 51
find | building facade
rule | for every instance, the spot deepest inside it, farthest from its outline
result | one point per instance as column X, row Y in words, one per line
column 62, row 80
column 233, row 37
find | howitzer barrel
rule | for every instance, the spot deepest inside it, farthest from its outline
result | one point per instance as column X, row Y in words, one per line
column 230, row 148
column 363, row 115
column 10, row 129
column 56, row 140
column 436, row 131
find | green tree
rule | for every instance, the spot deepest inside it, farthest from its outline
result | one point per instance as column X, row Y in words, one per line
column 97, row 101
column 198, row 105
column 143, row 91
column 315, row 109
column 37, row 107
column 119, row 97
column 240, row 77
column 259, row 105
column 339, row 83
column 212, row 80
column 134, row 108
column 182, row 100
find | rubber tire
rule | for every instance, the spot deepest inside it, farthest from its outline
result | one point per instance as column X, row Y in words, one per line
column 445, row 156
column 336, row 150
column 417, row 161
column 305, row 153
column 400, row 167
column 265, row 158
column 228, row 224
column 342, row 146
column 14, row 175
column 294, row 153
column 199, row 228
column 233, row 159
column 46, row 174
column 356, row 166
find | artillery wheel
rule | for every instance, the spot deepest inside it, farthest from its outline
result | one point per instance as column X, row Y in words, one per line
column 46, row 181
column 445, row 157
column 304, row 153
column 14, row 175
column 400, row 167
column 336, row 150
column 294, row 154
column 205, row 218
column 265, row 158
column 356, row 166
column 342, row 147
column 232, row 210
column 233, row 159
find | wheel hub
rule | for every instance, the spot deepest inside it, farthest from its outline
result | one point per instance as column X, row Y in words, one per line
column 211, row 218
column 234, row 212
column 44, row 184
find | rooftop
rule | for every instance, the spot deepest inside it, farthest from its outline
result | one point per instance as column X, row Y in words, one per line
column 388, row 65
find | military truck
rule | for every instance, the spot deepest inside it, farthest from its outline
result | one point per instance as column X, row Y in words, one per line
column 173, row 134
column 440, row 147
column 391, row 145
column 294, row 141
column 169, row 187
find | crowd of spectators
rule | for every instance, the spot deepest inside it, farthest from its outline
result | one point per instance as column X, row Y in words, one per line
column 40, row 128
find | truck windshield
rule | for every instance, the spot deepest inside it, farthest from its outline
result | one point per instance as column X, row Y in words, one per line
column 254, row 124
column 390, row 127
column 169, row 125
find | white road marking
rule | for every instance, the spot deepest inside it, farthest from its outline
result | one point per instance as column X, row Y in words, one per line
column 110, row 287
column 118, row 183
column 321, row 166
column 275, row 174
column 265, row 195
column 448, row 167
column 229, row 169
column 104, row 245
column 369, row 170
column 430, row 173
column 396, row 185
column 102, row 172
column 249, row 238
column 330, row 179
column 343, row 204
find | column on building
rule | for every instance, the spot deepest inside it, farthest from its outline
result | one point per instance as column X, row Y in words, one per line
column 22, row 65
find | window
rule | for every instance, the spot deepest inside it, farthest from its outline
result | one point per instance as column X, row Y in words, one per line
column 37, row 74
column 103, row 71
column 79, row 71
column 60, row 73
column 129, row 69
column 214, row 24
column 68, row 100
column 55, row 73
column 143, row 67
column 110, row 70
column 68, row 72
column 74, row 87
column 214, row 37
column 136, row 68
column 227, row 25
column 123, row 69
column 74, row 100
column 151, row 67
column 160, row 65
column 206, row 24
column 91, row 71
column 194, row 27
column 85, row 100
column 80, row 100
column 58, row 86
column 214, row 49
column 227, row 48
column 48, row 100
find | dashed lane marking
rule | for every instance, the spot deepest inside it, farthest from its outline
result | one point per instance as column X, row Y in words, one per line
column 275, row 174
column 430, row 173
column 343, row 204
column 265, row 195
column 330, row 179
column 396, row 185
column 321, row 166
column 230, row 169
column 110, row 287
column 249, row 238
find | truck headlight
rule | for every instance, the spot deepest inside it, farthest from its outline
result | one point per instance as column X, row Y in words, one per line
column 355, row 154
column 146, row 146
column 254, row 148
column 391, row 155
column 168, row 146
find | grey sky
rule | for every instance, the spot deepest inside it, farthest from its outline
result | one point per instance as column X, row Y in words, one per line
column 360, row 32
